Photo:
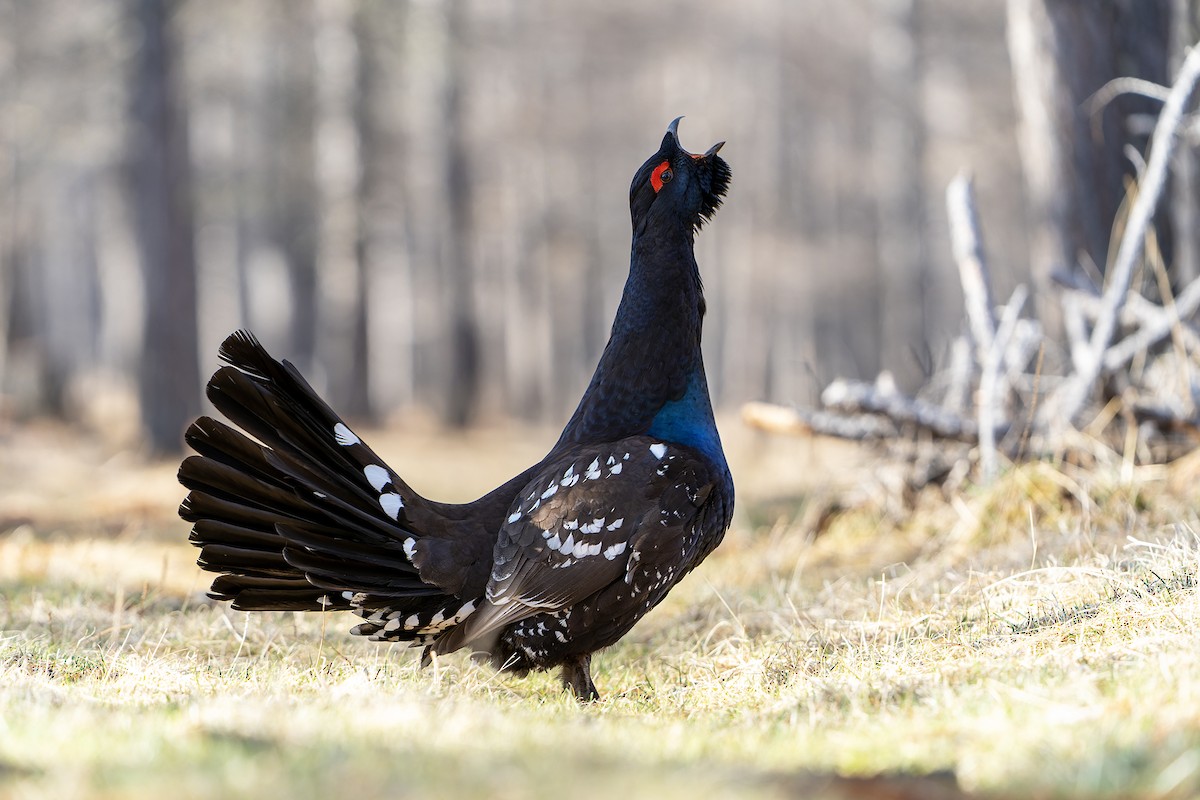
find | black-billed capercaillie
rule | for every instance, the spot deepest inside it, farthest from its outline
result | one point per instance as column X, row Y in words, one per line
column 560, row 561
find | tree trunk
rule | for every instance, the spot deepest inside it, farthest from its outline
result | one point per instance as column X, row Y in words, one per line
column 169, row 373
column 898, row 151
column 1062, row 52
column 1185, row 186
column 292, row 124
column 342, row 313
column 462, row 398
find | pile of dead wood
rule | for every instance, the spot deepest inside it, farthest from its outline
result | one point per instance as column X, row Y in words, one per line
column 1123, row 377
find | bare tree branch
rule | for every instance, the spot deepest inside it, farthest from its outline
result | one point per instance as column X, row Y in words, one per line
column 967, row 245
column 782, row 419
column 1119, row 86
column 860, row 396
column 991, row 412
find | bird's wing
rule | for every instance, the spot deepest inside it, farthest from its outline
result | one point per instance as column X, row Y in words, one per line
column 586, row 521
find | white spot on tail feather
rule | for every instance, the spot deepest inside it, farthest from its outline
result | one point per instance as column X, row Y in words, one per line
column 345, row 437
column 391, row 503
column 377, row 476
column 410, row 547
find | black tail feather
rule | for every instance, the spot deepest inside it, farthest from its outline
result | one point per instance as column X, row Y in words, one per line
column 211, row 530
column 306, row 518
column 253, row 563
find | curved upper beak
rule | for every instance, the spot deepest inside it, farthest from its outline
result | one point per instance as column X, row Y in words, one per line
column 673, row 132
column 673, row 128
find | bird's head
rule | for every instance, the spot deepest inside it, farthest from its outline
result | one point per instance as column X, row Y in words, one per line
column 675, row 186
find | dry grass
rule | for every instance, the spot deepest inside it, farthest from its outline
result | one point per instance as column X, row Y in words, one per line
column 1037, row 638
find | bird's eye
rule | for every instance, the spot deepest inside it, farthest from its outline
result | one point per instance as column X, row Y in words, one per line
column 662, row 174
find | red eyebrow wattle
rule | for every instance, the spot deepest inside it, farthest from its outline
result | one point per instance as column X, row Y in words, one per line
column 656, row 180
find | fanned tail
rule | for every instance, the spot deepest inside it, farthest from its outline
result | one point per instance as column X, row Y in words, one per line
column 307, row 518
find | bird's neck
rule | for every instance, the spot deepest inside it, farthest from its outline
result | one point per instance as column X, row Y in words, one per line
column 651, row 379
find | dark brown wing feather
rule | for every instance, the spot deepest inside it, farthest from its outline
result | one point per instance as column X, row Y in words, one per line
column 582, row 524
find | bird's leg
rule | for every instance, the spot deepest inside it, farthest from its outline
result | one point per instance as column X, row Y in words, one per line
column 577, row 676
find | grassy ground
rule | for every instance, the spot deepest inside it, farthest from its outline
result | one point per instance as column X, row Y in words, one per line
column 1038, row 638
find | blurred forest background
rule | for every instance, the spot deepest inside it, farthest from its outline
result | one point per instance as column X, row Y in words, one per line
column 423, row 203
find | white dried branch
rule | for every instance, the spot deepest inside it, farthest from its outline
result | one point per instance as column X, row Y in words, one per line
column 1157, row 324
column 859, row 397
column 967, row 246
column 782, row 419
column 1154, row 322
column 991, row 409
column 1119, row 86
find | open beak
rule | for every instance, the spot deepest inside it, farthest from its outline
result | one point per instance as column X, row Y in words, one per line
column 673, row 132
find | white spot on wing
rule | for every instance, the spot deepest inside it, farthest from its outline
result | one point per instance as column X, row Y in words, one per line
column 546, row 495
column 391, row 503
column 616, row 523
column 616, row 470
column 593, row 470
column 377, row 476
column 569, row 477
column 614, row 551
column 345, row 437
column 516, row 515
column 659, row 450
column 410, row 547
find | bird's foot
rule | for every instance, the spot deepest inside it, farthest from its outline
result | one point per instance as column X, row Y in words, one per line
column 577, row 676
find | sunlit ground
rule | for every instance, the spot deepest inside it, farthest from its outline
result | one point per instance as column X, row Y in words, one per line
column 1037, row 638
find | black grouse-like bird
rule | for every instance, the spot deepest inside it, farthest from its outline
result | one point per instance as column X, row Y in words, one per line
column 560, row 561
